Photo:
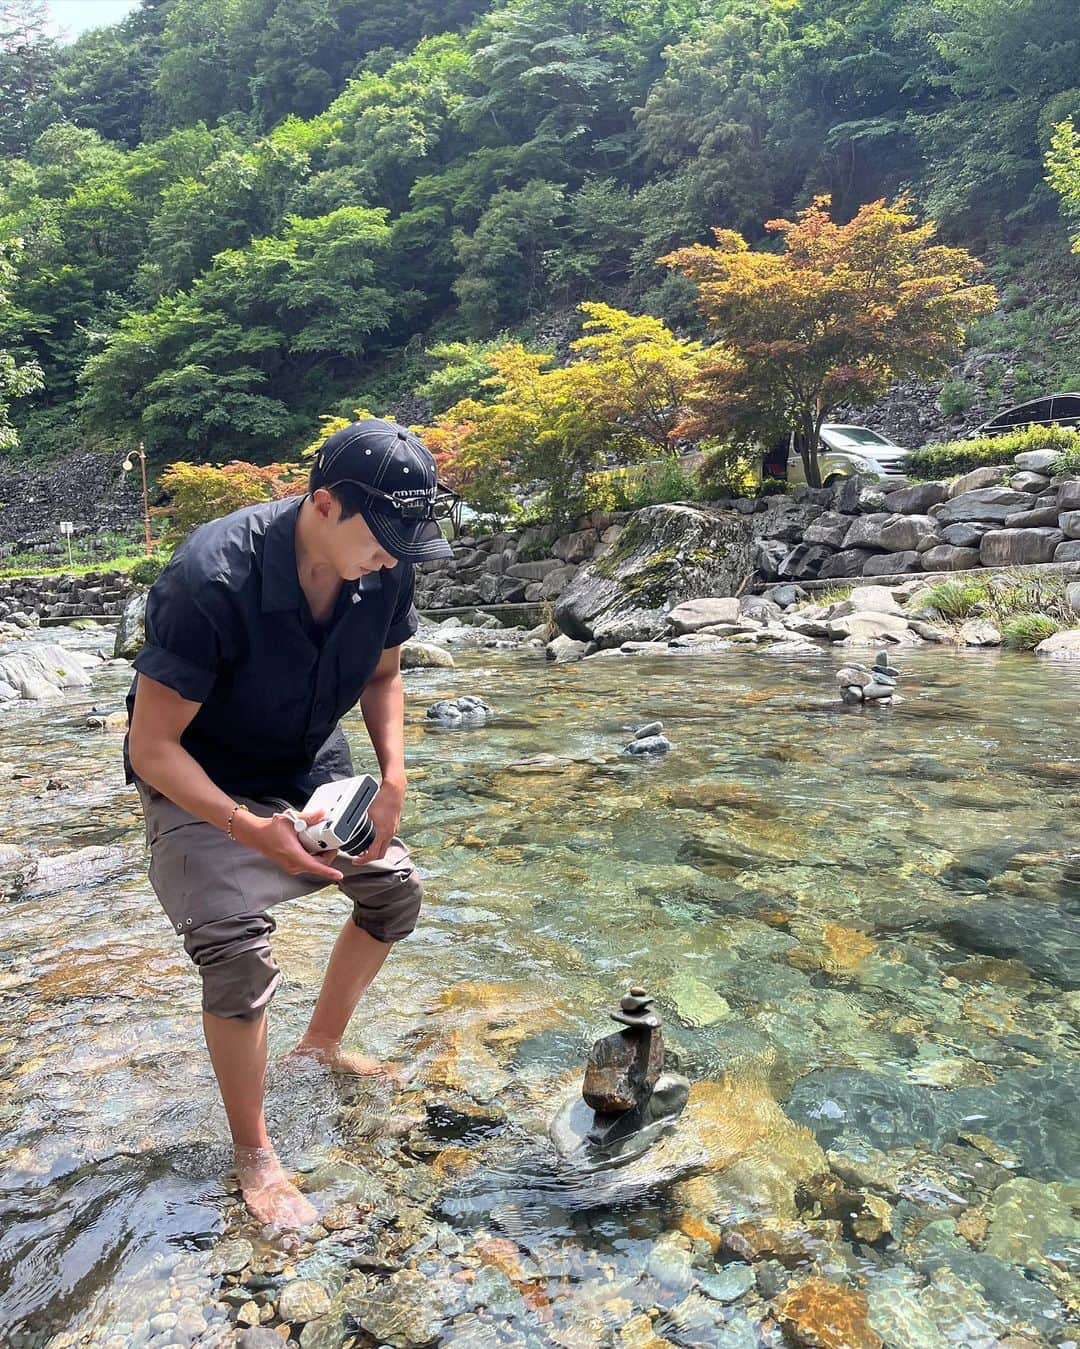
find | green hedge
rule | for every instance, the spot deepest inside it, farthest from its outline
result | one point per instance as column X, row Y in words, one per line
column 953, row 457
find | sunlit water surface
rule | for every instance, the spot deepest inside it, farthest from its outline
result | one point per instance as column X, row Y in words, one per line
column 801, row 860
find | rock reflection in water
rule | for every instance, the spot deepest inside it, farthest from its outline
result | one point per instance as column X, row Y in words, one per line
column 861, row 933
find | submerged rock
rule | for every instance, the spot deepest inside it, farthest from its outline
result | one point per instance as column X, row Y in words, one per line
column 827, row 1316
column 464, row 711
column 409, row 1309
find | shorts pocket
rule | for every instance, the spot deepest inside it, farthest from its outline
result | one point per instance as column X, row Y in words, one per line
column 196, row 879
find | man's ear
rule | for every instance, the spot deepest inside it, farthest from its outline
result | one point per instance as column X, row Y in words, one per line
column 325, row 503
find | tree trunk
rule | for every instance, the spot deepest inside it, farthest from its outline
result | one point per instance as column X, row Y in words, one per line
column 806, row 442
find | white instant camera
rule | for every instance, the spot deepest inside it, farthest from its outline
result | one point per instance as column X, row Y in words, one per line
column 345, row 825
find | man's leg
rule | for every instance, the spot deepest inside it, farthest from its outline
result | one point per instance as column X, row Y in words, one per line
column 355, row 960
column 239, row 977
column 238, row 1052
column 386, row 897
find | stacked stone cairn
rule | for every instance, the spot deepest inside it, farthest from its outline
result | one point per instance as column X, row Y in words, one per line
column 625, row 1084
column 868, row 684
column 648, row 740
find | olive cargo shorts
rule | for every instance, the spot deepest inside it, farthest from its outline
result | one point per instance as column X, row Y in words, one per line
column 218, row 893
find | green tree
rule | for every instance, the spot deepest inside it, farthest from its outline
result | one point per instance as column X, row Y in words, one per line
column 1006, row 72
column 711, row 117
column 503, row 270
column 228, row 360
column 104, row 80
column 17, row 378
column 1063, row 172
column 27, row 59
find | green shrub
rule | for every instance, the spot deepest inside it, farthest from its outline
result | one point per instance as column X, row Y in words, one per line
column 1068, row 466
column 729, row 471
column 146, row 571
column 953, row 457
column 1024, row 632
column 958, row 599
column 956, row 396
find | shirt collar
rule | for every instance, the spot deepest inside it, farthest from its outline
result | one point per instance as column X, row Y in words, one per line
column 280, row 580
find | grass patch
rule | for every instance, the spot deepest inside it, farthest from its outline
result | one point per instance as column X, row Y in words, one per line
column 30, row 564
column 958, row 599
column 1068, row 466
column 1024, row 632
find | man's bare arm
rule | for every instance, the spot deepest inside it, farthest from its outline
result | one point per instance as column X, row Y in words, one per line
column 382, row 704
column 158, row 721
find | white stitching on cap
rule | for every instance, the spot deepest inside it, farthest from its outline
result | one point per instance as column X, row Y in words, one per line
column 345, row 444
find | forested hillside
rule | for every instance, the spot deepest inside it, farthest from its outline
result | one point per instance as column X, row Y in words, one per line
column 238, row 215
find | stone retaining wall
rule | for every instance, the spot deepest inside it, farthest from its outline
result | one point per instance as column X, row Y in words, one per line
column 992, row 517
column 96, row 594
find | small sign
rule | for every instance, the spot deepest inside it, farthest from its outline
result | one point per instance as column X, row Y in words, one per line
column 67, row 526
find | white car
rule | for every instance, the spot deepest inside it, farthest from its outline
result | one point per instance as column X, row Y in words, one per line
column 846, row 450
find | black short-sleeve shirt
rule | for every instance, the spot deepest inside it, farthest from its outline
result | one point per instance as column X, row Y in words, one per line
column 228, row 626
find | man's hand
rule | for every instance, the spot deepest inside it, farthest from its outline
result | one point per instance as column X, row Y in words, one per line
column 385, row 814
column 276, row 837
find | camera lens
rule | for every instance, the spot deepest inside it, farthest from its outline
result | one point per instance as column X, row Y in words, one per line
column 361, row 839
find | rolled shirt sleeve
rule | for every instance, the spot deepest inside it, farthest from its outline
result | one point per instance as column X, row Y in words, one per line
column 183, row 646
column 405, row 619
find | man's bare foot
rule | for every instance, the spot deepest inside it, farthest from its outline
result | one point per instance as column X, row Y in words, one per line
column 269, row 1194
column 340, row 1060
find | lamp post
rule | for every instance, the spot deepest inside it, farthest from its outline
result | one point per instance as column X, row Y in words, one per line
column 127, row 466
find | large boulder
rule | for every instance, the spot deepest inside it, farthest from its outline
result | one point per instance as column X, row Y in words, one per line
column 1069, row 551
column 804, row 562
column 906, row 533
column 1037, row 461
column 830, row 528
column 868, row 626
column 967, row 534
column 131, row 630
column 1069, row 495
column 1018, row 547
column 987, row 476
column 576, row 547
column 1061, row 646
column 425, row 656
column 984, row 503
column 892, row 564
column 665, row 555
column 917, row 499
column 1069, row 522
column 42, row 670
column 696, row 614
column 850, row 562
column 948, row 557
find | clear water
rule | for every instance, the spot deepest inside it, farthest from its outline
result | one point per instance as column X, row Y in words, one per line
column 737, row 865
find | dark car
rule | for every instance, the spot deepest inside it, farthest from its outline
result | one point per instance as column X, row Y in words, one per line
column 1058, row 409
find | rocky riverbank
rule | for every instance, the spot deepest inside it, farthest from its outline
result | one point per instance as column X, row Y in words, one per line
column 609, row 570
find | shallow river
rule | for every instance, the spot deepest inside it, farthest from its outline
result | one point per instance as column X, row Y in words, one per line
column 868, row 919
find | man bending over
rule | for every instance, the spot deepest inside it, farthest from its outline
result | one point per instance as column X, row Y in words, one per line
column 266, row 627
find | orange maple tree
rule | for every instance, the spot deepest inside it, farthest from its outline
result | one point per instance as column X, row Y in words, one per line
column 201, row 492
column 835, row 317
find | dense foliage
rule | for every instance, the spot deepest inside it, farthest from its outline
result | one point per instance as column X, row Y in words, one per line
column 239, row 214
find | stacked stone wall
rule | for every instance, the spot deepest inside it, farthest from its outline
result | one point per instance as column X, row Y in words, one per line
column 1015, row 515
column 97, row 594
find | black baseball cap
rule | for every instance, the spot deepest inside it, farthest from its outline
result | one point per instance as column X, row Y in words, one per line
column 396, row 474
